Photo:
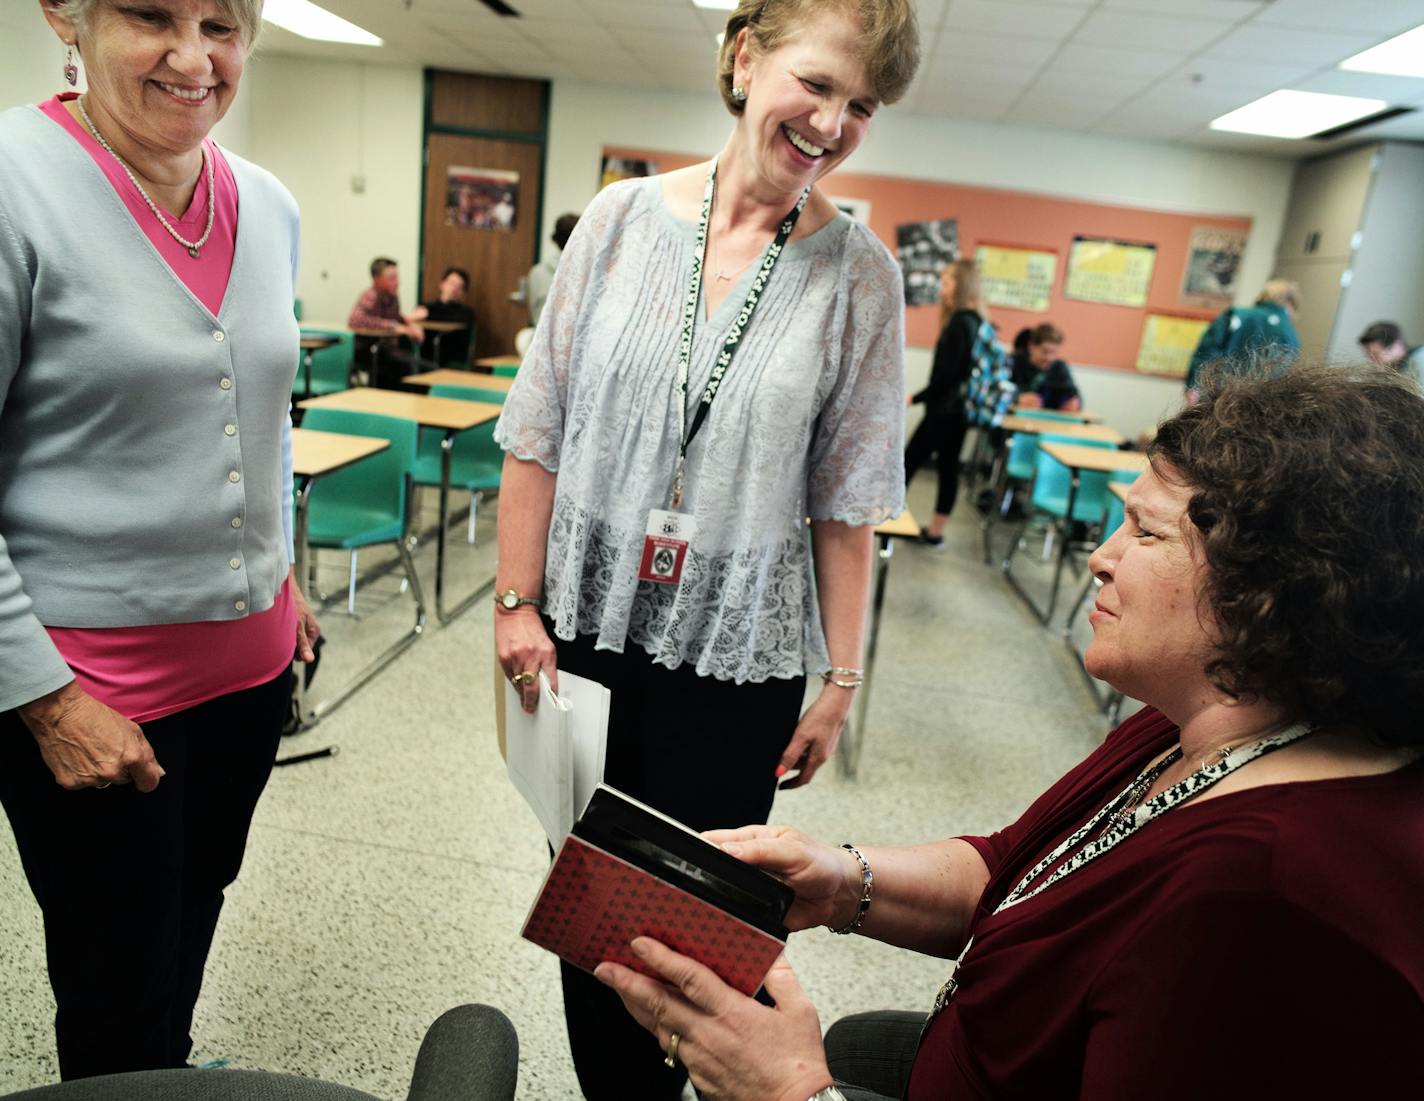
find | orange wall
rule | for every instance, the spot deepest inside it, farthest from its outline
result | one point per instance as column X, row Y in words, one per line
column 1104, row 336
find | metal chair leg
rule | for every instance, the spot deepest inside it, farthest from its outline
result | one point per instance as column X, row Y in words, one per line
column 351, row 587
column 470, row 527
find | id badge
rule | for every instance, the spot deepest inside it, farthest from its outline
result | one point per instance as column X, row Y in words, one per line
column 665, row 546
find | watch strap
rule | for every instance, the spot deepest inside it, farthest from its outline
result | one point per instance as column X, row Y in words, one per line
column 830, row 1093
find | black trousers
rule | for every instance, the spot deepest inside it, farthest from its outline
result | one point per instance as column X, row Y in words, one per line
column 703, row 751
column 939, row 434
column 130, row 885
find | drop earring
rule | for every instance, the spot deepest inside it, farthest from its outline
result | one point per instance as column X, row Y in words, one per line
column 739, row 95
column 71, row 70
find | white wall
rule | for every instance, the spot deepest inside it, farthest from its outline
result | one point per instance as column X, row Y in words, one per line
column 585, row 117
column 316, row 125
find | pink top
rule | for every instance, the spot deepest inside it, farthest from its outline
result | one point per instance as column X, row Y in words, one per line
column 148, row 672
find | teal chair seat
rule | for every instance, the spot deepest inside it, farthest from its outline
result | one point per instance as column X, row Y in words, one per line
column 366, row 503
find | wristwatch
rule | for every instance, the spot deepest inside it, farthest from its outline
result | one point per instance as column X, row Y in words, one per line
column 510, row 599
column 830, row 1093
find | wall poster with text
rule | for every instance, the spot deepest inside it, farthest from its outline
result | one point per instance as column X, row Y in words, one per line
column 1168, row 343
column 1018, row 278
column 1213, row 267
column 1115, row 273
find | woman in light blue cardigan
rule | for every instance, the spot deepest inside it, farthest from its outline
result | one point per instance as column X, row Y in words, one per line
column 148, row 617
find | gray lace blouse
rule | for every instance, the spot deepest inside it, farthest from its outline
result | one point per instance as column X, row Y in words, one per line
column 809, row 421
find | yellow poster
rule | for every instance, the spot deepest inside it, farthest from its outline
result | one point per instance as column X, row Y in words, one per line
column 1112, row 272
column 1168, row 344
column 1019, row 278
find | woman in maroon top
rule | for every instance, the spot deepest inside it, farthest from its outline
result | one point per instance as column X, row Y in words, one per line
column 1225, row 899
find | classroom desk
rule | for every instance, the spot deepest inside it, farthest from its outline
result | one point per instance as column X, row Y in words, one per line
column 437, row 329
column 309, row 343
column 471, row 380
column 853, row 736
column 452, row 416
column 1081, row 416
column 1077, row 458
column 1038, row 427
column 315, row 454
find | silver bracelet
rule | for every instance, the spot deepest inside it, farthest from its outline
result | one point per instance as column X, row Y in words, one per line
column 844, row 677
column 867, row 884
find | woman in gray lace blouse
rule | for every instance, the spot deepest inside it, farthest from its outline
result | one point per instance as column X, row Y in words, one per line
column 720, row 358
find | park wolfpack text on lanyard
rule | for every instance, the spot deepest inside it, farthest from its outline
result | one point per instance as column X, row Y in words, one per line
column 670, row 531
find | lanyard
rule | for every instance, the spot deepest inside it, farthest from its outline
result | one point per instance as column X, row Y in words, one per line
column 685, row 434
column 1121, row 827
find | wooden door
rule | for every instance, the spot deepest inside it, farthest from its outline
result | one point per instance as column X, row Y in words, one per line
column 495, row 124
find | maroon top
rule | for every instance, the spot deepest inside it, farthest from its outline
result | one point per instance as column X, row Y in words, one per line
column 1264, row 943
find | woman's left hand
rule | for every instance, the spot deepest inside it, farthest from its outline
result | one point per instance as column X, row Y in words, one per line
column 735, row 1048
column 816, row 737
column 308, row 629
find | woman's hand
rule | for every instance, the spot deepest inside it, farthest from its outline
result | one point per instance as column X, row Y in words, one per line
column 308, row 629
column 87, row 744
column 735, row 1048
column 816, row 736
column 521, row 645
column 826, row 878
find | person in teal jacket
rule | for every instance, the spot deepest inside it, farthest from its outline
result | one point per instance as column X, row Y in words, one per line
column 1242, row 338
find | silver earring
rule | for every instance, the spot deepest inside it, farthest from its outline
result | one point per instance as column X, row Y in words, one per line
column 739, row 95
column 71, row 70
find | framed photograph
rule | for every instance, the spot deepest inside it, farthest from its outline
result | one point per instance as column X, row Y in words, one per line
column 481, row 198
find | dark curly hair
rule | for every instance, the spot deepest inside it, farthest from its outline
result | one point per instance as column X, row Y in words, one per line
column 1308, row 493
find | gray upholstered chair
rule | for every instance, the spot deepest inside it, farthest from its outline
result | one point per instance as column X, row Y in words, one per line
column 470, row 1054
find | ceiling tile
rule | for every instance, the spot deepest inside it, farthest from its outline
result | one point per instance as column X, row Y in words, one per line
column 1006, row 17
column 1140, row 30
column 1048, row 111
column 1243, row 76
column 1229, row 11
column 632, row 13
column 1384, row 17
column 1109, row 89
column 1078, row 55
column 1255, row 42
column 973, row 46
column 966, row 74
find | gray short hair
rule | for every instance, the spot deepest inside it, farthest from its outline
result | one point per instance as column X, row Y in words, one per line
column 247, row 14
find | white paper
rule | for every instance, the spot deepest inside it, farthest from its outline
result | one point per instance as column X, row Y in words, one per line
column 555, row 756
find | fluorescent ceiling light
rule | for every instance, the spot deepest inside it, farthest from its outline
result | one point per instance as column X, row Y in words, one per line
column 1402, row 55
column 1287, row 114
column 719, row 5
column 306, row 19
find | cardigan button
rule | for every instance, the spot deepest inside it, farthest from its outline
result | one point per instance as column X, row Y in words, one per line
column 219, row 335
column 237, row 521
column 225, row 383
column 240, row 605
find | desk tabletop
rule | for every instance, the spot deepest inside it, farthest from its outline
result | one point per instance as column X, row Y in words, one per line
column 447, row 376
column 1063, row 428
column 315, row 342
column 1081, row 417
column 315, row 453
column 442, row 326
column 903, row 526
column 451, row 414
column 507, row 360
column 1083, row 457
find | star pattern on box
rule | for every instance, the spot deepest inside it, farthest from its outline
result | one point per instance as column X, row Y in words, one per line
column 593, row 904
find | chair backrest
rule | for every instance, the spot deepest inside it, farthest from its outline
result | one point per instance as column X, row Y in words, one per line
column 378, row 482
column 331, row 367
column 1047, row 415
column 468, row 393
column 1023, row 447
column 1115, row 509
column 1052, row 481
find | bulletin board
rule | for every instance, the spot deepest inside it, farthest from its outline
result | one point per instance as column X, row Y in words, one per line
column 1097, row 334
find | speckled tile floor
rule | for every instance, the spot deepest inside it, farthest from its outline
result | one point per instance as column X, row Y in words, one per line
column 388, row 883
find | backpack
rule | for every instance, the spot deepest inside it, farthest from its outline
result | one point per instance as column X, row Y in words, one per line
column 991, row 392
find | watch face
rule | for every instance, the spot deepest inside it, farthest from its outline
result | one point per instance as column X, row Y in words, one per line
column 510, row 599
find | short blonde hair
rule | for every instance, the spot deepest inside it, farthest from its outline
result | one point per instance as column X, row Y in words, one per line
column 889, row 35
column 247, row 14
column 1283, row 292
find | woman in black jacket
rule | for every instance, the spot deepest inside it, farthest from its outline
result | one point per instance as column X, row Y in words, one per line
column 942, row 430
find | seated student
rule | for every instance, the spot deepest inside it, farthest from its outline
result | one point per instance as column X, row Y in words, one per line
column 1240, row 339
column 1384, row 343
column 1043, row 379
column 541, row 275
column 450, row 306
column 379, row 308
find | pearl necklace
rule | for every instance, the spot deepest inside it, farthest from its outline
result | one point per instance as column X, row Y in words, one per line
column 191, row 246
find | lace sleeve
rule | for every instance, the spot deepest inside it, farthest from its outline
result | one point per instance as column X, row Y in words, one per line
column 857, row 468
column 531, row 427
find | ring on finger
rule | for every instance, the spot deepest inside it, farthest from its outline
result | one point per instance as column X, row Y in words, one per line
column 521, row 679
column 102, row 784
column 671, row 1058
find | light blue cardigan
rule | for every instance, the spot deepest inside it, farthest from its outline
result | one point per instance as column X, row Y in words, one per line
column 145, row 445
